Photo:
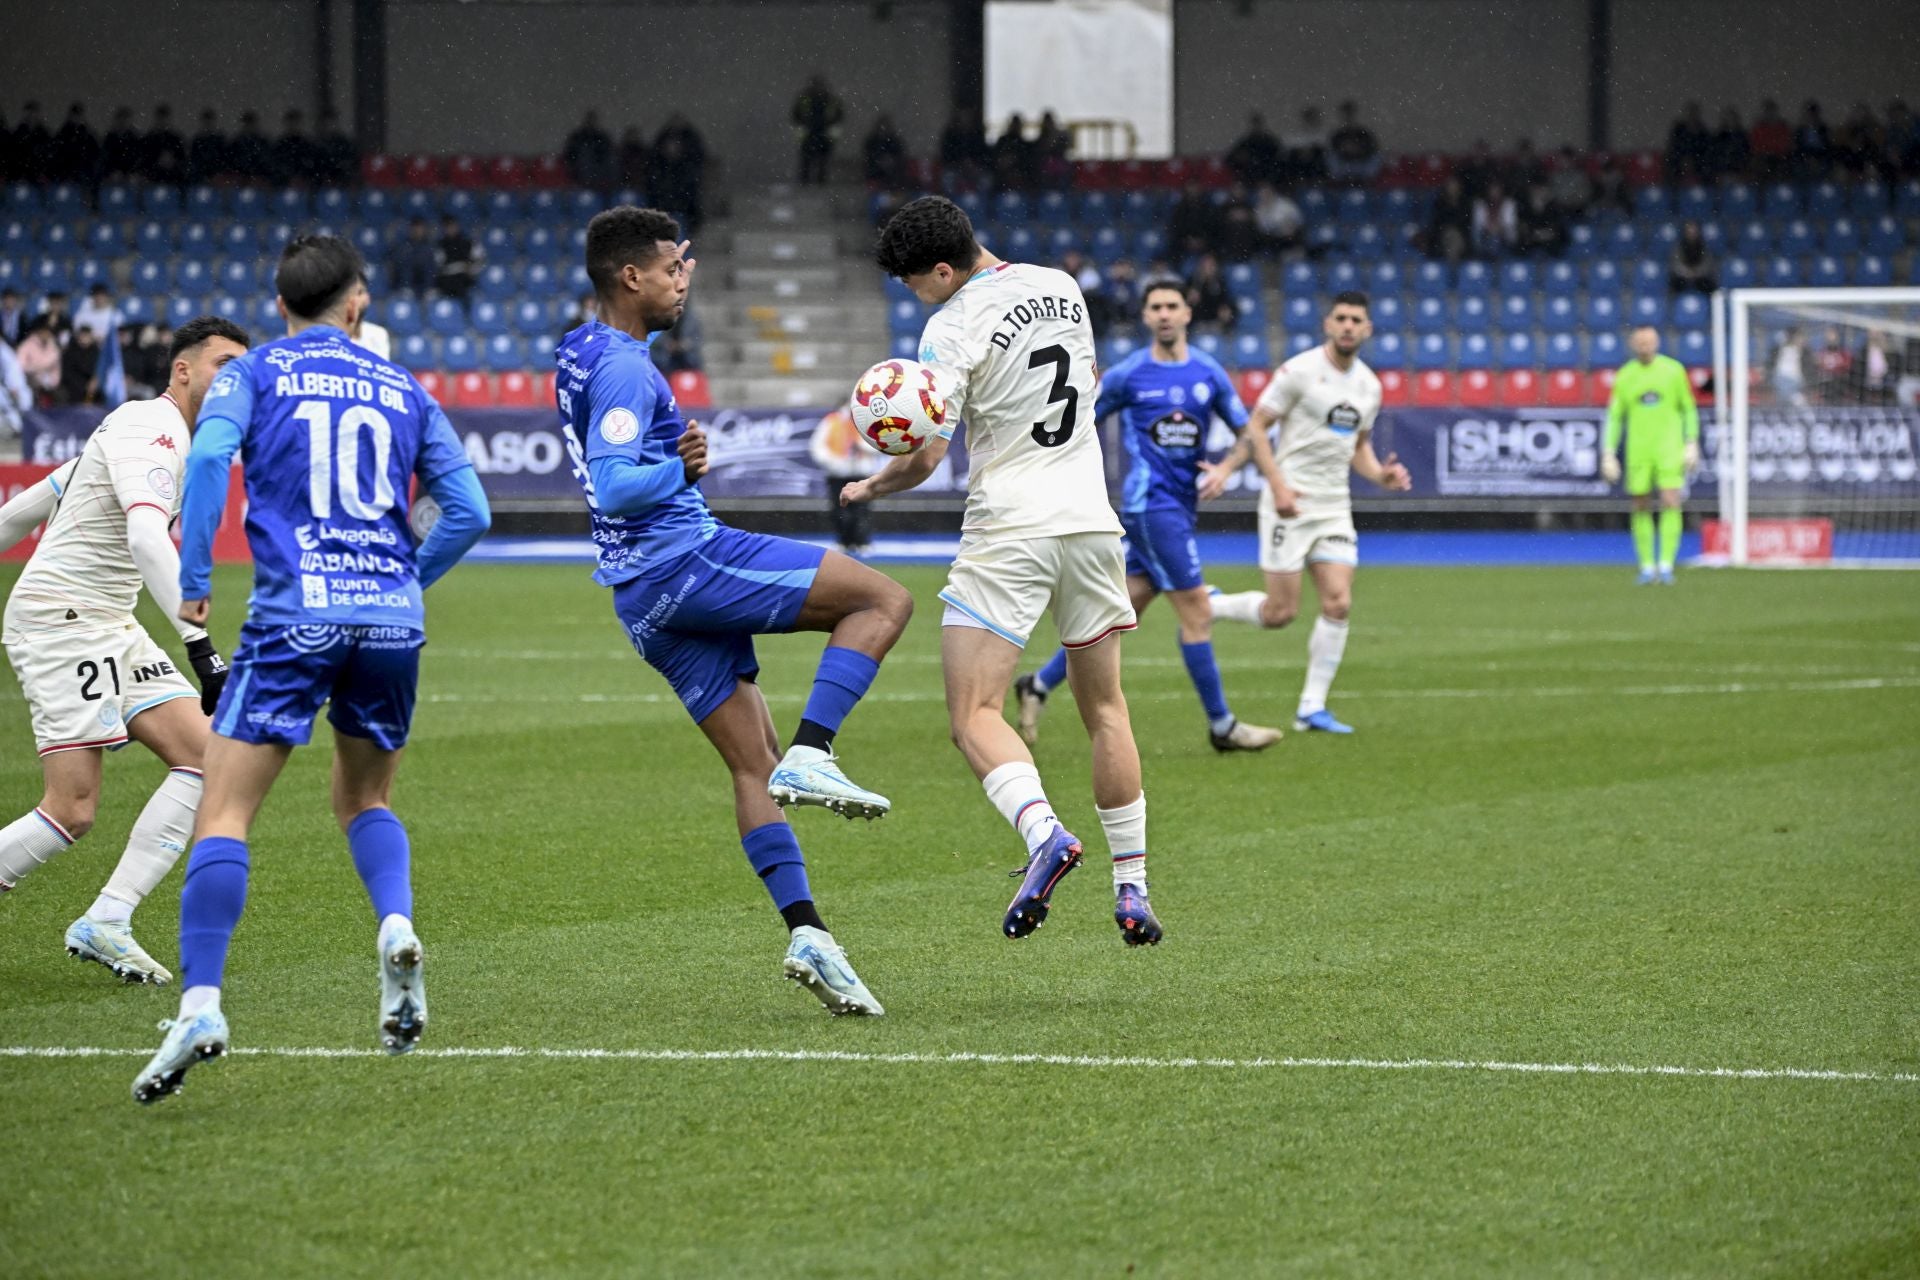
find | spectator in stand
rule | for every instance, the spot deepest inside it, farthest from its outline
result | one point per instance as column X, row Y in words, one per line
column 249, row 153
column 585, row 309
column 1689, row 146
column 1789, row 366
column 1543, row 227
column 673, row 353
column 1569, row 184
column 1085, row 274
column 1812, row 143
column 13, row 317
column 816, row 117
column 1278, row 219
column 39, row 354
column 674, row 173
column 338, row 155
column 1879, row 370
column 1014, row 158
column 631, row 157
column 163, row 152
column 1860, row 142
column 1256, row 156
column 121, row 149
column 965, row 155
column 693, row 147
column 1770, row 143
column 146, row 357
column 207, row 154
column 1237, row 236
column 57, row 319
column 885, row 154
column 837, row 449
column 412, row 263
column 459, row 260
column 76, row 152
column 587, row 154
column 1496, row 222
column 1691, row 267
column 1730, row 155
column 1207, row 293
column 1353, row 153
column 1307, row 149
column 1524, row 167
column 98, row 312
column 1610, row 190
column 1053, row 154
column 8, row 166
column 80, row 367
column 1192, row 222
column 1120, row 298
column 1833, row 367
column 1901, row 155
column 1449, row 231
column 1479, row 170
column 32, row 145
column 16, row 397
column 294, row 160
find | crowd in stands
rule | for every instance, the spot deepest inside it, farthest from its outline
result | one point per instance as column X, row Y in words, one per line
column 30, row 151
column 671, row 169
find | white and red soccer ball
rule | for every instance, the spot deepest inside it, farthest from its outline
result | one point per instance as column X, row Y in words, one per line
column 898, row 406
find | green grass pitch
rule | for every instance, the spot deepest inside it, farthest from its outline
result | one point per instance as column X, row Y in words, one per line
column 1580, row 823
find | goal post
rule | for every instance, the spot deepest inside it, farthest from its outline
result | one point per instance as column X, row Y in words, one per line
column 1815, row 420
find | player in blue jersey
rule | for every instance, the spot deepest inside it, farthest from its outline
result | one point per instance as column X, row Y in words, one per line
column 332, row 438
column 1167, row 396
column 692, row 593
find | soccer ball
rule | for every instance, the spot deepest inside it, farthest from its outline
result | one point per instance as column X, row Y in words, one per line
column 898, row 406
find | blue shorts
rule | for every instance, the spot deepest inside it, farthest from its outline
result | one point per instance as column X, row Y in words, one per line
column 694, row 618
column 1161, row 548
column 282, row 675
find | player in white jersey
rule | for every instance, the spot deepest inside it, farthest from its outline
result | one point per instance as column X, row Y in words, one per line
column 365, row 333
column 1013, row 351
column 92, row 676
column 1325, row 402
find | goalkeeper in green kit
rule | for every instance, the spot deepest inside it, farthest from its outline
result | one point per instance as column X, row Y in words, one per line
column 1653, row 403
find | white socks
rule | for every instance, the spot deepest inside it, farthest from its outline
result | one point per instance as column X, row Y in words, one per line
column 1324, row 650
column 1126, row 829
column 1016, row 792
column 194, row 999
column 1239, row 606
column 159, row 837
column 26, row 843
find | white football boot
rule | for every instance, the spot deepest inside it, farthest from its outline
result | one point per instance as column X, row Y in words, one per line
column 818, row 963
column 189, row 1040
column 810, row 776
column 112, row 945
column 403, row 991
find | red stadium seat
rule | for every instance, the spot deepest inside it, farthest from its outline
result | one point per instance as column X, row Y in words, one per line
column 1644, row 167
column 466, row 171
column 1474, row 388
column 1096, row 175
column 380, row 171
column 1566, row 389
column 690, row 389
column 472, row 391
column 421, row 171
column 547, row 171
column 1702, row 380
column 1393, row 387
column 517, row 391
column 1520, row 387
column 1431, row 170
column 1214, row 174
column 1252, row 382
column 433, row 382
column 548, row 383
column 508, row 172
column 1600, row 390
column 1434, row 390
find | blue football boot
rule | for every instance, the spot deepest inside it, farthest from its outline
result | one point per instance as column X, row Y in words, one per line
column 1139, row 927
column 1046, row 868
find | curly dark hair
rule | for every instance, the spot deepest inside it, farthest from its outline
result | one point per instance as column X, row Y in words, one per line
column 924, row 233
column 199, row 329
column 623, row 235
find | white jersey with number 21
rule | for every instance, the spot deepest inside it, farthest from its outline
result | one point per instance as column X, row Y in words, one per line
column 1014, row 352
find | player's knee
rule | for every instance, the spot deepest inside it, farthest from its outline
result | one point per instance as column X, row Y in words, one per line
column 896, row 604
column 1278, row 613
column 1336, row 608
column 74, row 813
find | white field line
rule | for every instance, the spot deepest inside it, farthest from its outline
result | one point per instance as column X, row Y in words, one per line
column 1096, row 1062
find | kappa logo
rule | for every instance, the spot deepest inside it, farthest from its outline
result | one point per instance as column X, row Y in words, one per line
column 163, row 442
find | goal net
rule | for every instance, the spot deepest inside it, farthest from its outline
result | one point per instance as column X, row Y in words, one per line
column 1814, row 440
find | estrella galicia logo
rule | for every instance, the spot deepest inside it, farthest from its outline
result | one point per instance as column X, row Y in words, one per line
column 1343, row 419
column 1176, row 430
column 1649, row 398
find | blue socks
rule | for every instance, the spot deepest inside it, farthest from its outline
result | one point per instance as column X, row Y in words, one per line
column 1205, row 674
column 383, row 858
column 843, row 679
column 211, row 900
column 1053, row 675
column 775, row 855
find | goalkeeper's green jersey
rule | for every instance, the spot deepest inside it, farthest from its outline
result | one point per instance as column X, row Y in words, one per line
column 1653, row 403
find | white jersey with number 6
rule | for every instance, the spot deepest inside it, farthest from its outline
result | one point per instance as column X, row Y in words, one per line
column 1014, row 352
column 1323, row 412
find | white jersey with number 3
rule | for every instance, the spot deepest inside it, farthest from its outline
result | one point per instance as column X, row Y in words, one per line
column 82, row 575
column 1014, row 352
column 1322, row 412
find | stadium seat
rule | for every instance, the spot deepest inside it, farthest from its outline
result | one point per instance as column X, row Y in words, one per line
column 1841, row 237
column 1693, row 347
column 1385, row 278
column 1560, row 315
column 1472, row 313
column 1092, row 207
column 1560, row 279
column 149, row 276
column 472, row 390
column 1430, row 315
column 1826, row 272
column 1693, row 202
column 1299, row 312
column 240, row 239
column 1825, row 200
column 1430, row 280
column 1368, row 243
column 1211, row 345
column 190, row 275
column 1781, row 273
column 1562, row 351
column 1516, row 350
column 1868, row 200
column 1251, row 382
column 1648, row 275
column 1602, row 311
column 1394, row 390
column 1736, row 273
column 88, row 272
column 1476, row 351
column 1248, row 351
column 1872, row 271
column 1519, row 388
column 509, row 173
column 1622, row 241
column 1583, row 242
column 56, row 239
column 1660, row 238
column 1647, row 308
column 1058, row 242
column 1052, row 208
column 1782, row 200
column 1300, row 342
column 1652, row 203
column 1884, row 235
column 1517, row 311
column 1387, row 351
column 1474, row 278
column 1298, row 280
column 1566, row 389
column 1600, row 384
column 1605, row 276
column 1432, row 351
column 1116, row 348
column 446, row 317
column 1517, row 276
column 1340, row 275
column 503, row 351
column 1475, row 389
column 1149, row 244
column 160, row 201
column 1433, row 389
column 1701, row 377
column 903, row 346
column 116, row 200
column 266, row 315
column 421, row 171
column 401, row 316
column 135, row 309
column 1606, row 349
column 379, row 170
column 1737, row 200
column 234, row 276
column 229, row 308
column 414, row 352
column 1691, row 311
column 195, row 239
column 515, row 389
column 181, row 308
column 1389, row 313
column 1796, row 238
column 488, row 317
column 1019, row 244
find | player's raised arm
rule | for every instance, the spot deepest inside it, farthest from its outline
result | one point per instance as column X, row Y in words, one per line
column 623, row 484
column 450, row 479
column 900, row 473
column 30, row 508
column 217, row 437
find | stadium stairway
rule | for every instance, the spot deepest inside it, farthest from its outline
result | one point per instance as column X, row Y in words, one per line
column 794, row 311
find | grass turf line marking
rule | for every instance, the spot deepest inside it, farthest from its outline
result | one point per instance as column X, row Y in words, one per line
column 1024, row 1060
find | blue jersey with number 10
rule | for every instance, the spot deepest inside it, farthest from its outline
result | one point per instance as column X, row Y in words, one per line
column 1165, row 411
column 331, row 438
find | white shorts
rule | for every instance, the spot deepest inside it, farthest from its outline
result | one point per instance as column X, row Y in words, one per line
column 1324, row 536
column 84, row 687
column 1003, row 585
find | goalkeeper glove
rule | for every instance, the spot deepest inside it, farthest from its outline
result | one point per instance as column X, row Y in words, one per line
column 1610, row 468
column 210, row 669
column 1690, row 456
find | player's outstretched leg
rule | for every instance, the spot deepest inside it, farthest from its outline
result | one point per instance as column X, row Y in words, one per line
column 1225, row 731
column 68, row 801
column 742, row 731
column 865, row 611
column 1117, row 796
column 382, row 857
column 1030, row 694
column 1325, row 647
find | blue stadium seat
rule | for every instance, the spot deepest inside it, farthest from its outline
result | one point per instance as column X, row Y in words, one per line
column 1431, row 351
column 377, row 205
column 194, row 238
column 1389, row 313
column 1517, row 276
column 1209, row 344
column 115, row 200
column 1149, row 244
column 413, row 351
column 1430, row 279
column 331, row 204
column 21, row 199
column 1053, row 208
column 1825, row 200
column 402, row 316
column 1516, row 311
column 190, row 275
column 1058, row 241
column 1605, row 276
column 235, row 276
column 1315, row 204
column 1560, row 314
column 488, row 316
column 1623, row 240
column 1868, row 200
column 1472, row 313
column 1351, row 206
column 540, row 243
column 1249, row 351
column 290, row 204
column 1017, row 244
column 1297, row 279
column 1602, row 311
column 1885, row 236
column 1781, row 273
column 1827, row 273
column 1117, row 348
column 1872, row 271
column 267, row 318
column 895, row 290
column 1010, row 206
column 581, row 204
column 16, row 237
column 503, row 352
column 1368, row 243
column 1841, row 237
column 1647, row 308
column 56, row 239
column 497, row 242
column 1476, row 351
column 1661, row 237
column 1906, row 199
column 204, row 202
column 183, row 307
column 1606, row 350
column 240, row 239
column 505, row 206
column 88, row 272
column 1474, row 277
column 528, row 318
column 135, row 309
column 545, row 205
column 1323, row 240
column 1693, row 348
column 418, row 202
column 463, row 205
column 1583, row 242
column 1298, row 312
column 1563, row 352
column 1516, row 350
column 906, row 316
column 1647, row 274
column 102, row 238
column 1796, row 238
column 1140, row 209
column 1093, row 207
column 458, row 354
column 1714, row 236
column 1108, row 245
column 1299, row 342
column 1695, row 202
column 1387, row 351
column 903, row 346
column 1690, row 311
column 538, row 278
column 11, row 274
column 370, row 243
column 1430, row 315
column 1401, row 204
column 1782, row 200
column 1737, row 200
column 1736, row 273
column 1242, row 277
column 1385, row 278
column 229, row 308
column 48, row 275
column 1652, row 202
column 1340, row 275
column 446, row 317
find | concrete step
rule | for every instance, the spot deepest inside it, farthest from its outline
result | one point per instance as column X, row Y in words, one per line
column 823, row 358
column 778, row 393
column 812, row 282
column 776, row 319
column 778, row 248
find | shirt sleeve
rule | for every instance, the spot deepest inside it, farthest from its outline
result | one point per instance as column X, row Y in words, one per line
column 1372, row 414
column 1616, row 413
column 143, row 474
column 1684, row 401
column 1113, row 391
column 1226, row 400
column 622, row 396
column 1281, row 394
column 440, row 447
column 224, row 417
column 944, row 349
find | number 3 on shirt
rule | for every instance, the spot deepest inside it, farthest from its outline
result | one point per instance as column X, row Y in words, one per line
column 331, row 454
column 1056, row 356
